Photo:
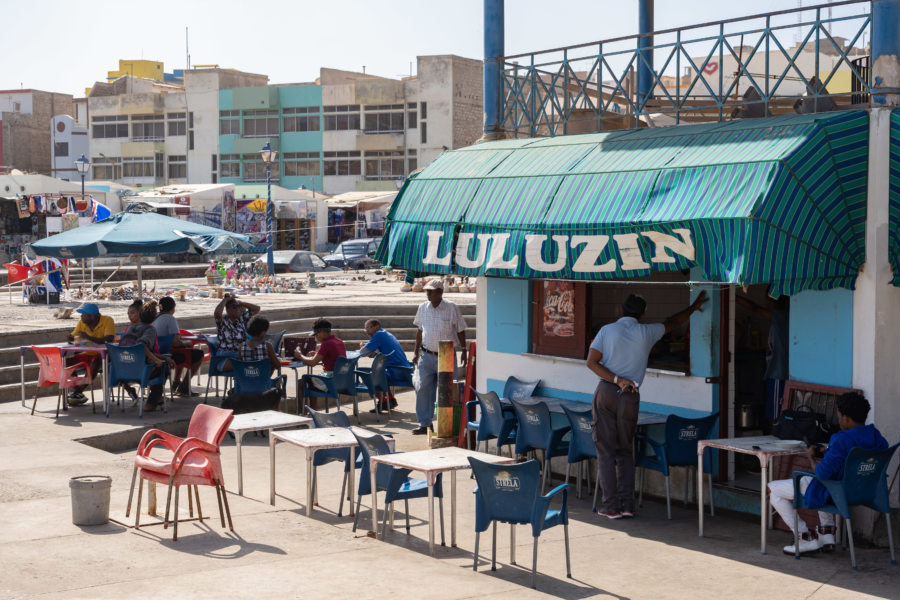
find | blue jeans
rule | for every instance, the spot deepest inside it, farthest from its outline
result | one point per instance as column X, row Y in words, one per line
column 427, row 390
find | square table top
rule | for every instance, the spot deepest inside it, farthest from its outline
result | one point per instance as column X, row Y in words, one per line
column 322, row 437
column 439, row 459
column 266, row 419
column 766, row 445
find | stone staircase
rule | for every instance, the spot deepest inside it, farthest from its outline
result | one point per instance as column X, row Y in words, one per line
column 346, row 320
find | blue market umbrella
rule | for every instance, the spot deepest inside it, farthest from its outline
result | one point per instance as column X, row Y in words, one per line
column 141, row 234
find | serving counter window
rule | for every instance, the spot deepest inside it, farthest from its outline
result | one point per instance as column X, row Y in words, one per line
column 567, row 315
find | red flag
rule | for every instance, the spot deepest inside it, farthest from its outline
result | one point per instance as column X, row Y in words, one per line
column 16, row 272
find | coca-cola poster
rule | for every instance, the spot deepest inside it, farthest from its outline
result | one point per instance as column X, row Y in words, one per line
column 559, row 309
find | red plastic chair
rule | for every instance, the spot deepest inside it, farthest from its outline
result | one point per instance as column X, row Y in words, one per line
column 196, row 461
column 53, row 371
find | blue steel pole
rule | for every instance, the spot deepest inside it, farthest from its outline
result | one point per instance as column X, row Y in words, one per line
column 885, row 52
column 270, row 259
column 645, row 54
column 493, row 55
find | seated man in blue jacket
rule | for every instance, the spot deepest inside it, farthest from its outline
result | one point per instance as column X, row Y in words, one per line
column 381, row 341
column 852, row 410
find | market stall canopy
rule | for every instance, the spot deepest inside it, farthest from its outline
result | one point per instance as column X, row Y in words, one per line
column 361, row 201
column 894, row 199
column 141, row 233
column 777, row 200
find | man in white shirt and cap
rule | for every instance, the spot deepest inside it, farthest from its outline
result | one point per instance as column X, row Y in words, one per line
column 437, row 320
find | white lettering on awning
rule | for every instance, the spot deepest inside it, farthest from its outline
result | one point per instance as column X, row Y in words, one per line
column 431, row 252
column 662, row 241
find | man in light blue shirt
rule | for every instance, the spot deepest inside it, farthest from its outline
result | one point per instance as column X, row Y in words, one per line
column 619, row 356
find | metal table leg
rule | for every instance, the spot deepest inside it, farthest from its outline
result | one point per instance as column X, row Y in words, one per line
column 309, row 481
column 763, row 504
column 272, row 470
column 22, row 372
column 104, row 379
column 453, row 509
column 700, row 452
column 238, row 437
column 352, row 480
column 431, row 513
column 372, row 467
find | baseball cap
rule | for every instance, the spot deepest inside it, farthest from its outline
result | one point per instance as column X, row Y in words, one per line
column 89, row 309
column 434, row 284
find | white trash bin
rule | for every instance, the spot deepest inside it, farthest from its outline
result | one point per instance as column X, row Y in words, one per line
column 90, row 499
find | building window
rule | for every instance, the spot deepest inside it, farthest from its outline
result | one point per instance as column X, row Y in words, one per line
column 342, row 117
column 106, row 168
column 383, row 165
column 229, row 122
column 177, row 124
column 413, row 161
column 178, row 167
column 423, row 110
column 147, row 128
column 423, row 132
column 297, row 118
column 411, row 115
column 60, row 149
column 386, row 118
column 301, row 164
column 138, row 166
column 255, row 168
column 343, row 163
column 260, row 123
column 230, row 165
column 113, row 126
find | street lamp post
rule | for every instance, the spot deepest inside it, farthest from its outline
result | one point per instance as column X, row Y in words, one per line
column 268, row 156
column 82, row 164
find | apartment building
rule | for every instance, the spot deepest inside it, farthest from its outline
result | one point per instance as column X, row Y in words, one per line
column 350, row 131
column 25, row 132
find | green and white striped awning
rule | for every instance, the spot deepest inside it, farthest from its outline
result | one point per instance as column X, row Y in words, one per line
column 779, row 200
column 894, row 199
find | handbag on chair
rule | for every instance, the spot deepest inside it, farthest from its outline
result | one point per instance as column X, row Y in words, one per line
column 803, row 424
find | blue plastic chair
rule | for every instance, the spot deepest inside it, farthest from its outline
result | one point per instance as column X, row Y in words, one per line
column 251, row 377
column 165, row 343
column 346, row 384
column 864, row 483
column 375, row 380
column 581, row 447
column 678, row 450
column 509, row 494
column 128, row 364
column 394, row 481
column 496, row 422
column 536, row 432
column 275, row 340
column 217, row 359
column 516, row 389
column 322, row 457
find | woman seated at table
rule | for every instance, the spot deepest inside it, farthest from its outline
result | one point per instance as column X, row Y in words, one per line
column 144, row 333
column 166, row 324
column 255, row 347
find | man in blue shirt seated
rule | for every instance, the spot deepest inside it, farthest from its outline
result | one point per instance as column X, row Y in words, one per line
column 852, row 410
column 381, row 341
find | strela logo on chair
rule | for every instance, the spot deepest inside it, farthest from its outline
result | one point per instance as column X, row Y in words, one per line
column 688, row 433
column 251, row 372
column 505, row 482
column 868, row 467
column 127, row 357
column 532, row 417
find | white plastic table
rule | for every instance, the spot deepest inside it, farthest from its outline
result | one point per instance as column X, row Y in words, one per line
column 764, row 447
column 431, row 462
column 321, row 438
column 259, row 421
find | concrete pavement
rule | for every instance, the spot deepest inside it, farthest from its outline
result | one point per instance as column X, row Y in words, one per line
column 276, row 552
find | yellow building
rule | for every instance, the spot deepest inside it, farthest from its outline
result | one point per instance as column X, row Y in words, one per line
column 147, row 69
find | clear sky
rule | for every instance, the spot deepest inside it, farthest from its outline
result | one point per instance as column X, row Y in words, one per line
column 64, row 46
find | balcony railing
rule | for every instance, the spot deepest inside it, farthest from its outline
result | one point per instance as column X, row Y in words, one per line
column 805, row 60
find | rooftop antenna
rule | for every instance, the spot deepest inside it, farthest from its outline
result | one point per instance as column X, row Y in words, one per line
column 364, row 69
column 799, row 20
column 187, row 53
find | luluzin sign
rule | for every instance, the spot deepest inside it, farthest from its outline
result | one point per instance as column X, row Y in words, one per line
column 527, row 254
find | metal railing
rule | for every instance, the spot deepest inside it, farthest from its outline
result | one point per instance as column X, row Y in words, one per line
column 801, row 60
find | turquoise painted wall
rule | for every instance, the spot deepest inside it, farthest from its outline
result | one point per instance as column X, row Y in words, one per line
column 821, row 334
column 508, row 315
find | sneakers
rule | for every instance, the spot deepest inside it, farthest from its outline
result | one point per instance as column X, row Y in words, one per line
column 130, row 391
column 77, row 399
column 382, row 408
column 420, row 431
column 628, row 514
column 610, row 514
column 808, row 545
column 825, row 535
